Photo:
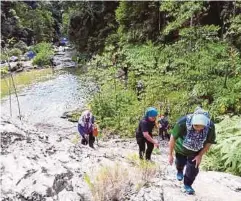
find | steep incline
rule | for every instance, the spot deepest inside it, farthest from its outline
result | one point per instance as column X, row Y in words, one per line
column 46, row 164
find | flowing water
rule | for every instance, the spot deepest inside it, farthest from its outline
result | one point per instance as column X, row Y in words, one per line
column 43, row 103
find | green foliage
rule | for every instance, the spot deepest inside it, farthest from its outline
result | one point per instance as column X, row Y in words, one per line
column 88, row 181
column 41, row 47
column 42, row 22
column 24, row 79
column 147, row 55
column 183, row 57
column 138, row 21
column 180, row 13
column 42, row 59
column 76, row 139
column 44, row 53
column 90, row 24
column 226, row 155
column 4, row 70
column 7, row 53
column 39, row 20
column 14, row 52
column 234, row 28
column 146, row 170
column 114, row 108
column 65, row 24
column 179, row 79
column 21, row 45
column 4, row 57
column 233, row 20
column 227, row 102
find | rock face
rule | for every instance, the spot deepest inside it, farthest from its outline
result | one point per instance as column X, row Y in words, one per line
column 36, row 166
column 44, row 164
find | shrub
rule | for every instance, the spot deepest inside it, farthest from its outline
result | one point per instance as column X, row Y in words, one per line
column 42, row 58
column 3, row 57
column 21, row 45
column 41, row 47
column 75, row 139
column 110, row 183
column 4, row 70
column 14, row 52
column 44, row 54
column 145, row 170
column 113, row 182
column 226, row 155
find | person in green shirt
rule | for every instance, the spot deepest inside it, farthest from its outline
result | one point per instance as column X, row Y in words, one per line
column 191, row 138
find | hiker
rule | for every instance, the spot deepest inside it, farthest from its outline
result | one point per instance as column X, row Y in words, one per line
column 52, row 63
column 139, row 89
column 144, row 133
column 163, row 126
column 191, row 138
column 86, row 127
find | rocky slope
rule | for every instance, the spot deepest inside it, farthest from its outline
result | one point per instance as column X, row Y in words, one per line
column 45, row 163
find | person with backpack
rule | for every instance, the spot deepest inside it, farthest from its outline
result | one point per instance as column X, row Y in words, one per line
column 163, row 126
column 144, row 133
column 191, row 138
column 86, row 128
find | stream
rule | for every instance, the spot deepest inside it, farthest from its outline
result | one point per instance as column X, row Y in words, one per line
column 43, row 103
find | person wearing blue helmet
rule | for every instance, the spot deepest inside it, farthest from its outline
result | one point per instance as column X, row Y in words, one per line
column 191, row 138
column 144, row 133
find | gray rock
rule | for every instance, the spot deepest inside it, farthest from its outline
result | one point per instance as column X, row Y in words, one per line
column 47, row 169
column 61, row 181
column 13, row 59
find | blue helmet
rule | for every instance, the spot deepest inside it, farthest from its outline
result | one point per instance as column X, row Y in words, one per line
column 151, row 112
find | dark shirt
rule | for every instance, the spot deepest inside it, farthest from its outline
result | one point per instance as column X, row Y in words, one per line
column 145, row 126
column 164, row 123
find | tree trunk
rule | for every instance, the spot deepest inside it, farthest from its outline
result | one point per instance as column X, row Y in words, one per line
column 226, row 78
column 16, row 94
column 8, row 84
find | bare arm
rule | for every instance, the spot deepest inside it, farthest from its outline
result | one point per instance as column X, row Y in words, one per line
column 198, row 158
column 205, row 149
column 157, row 125
column 171, row 148
column 171, row 145
column 149, row 138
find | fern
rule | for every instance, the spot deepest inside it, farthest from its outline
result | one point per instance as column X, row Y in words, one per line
column 227, row 154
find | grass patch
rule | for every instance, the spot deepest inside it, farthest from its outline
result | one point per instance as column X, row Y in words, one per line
column 110, row 183
column 116, row 181
column 76, row 138
column 24, row 79
column 146, row 170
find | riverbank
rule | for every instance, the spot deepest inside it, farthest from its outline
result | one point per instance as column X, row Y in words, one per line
column 24, row 79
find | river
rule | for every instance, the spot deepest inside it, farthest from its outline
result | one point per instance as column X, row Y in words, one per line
column 43, row 103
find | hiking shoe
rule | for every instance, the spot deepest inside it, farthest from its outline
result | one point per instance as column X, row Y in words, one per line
column 180, row 176
column 189, row 190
